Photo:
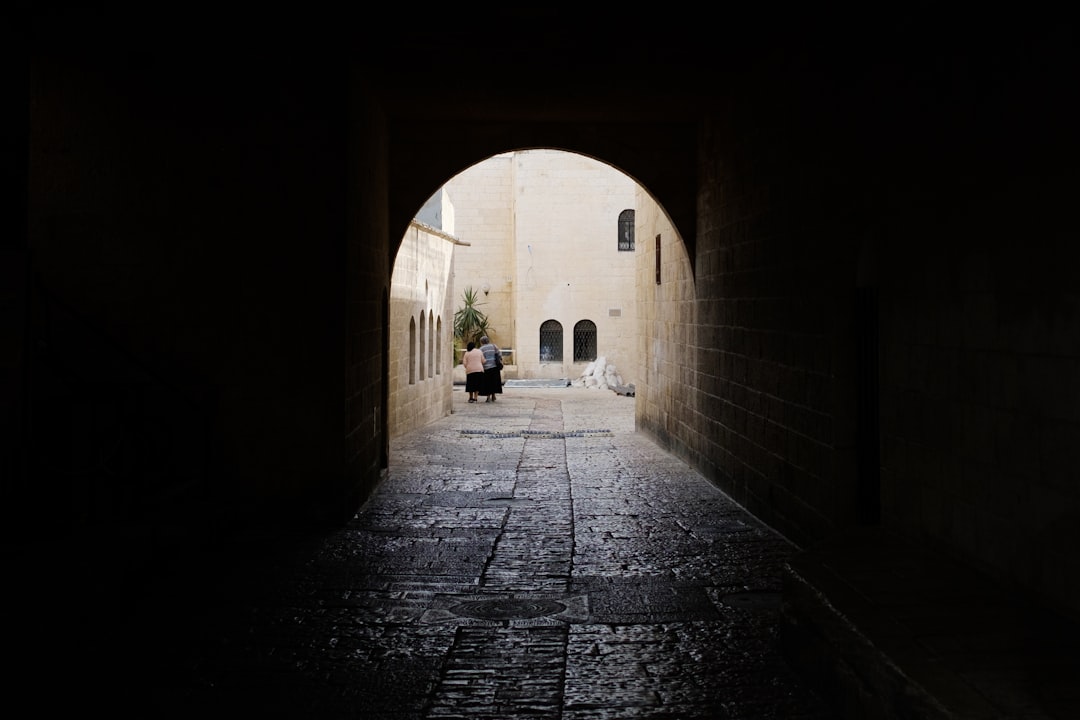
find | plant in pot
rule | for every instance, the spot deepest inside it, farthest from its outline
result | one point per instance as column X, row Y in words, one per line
column 470, row 322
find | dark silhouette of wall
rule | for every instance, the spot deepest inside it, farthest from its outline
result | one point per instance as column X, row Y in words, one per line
column 199, row 250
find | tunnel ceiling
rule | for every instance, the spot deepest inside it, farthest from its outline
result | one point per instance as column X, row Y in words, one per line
column 459, row 86
column 451, row 105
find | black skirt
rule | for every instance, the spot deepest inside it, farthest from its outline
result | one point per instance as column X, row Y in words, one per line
column 474, row 382
column 492, row 381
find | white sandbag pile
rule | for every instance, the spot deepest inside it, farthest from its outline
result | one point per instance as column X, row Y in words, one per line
column 599, row 375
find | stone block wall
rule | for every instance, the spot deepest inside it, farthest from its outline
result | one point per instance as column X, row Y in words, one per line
column 211, row 257
column 981, row 363
column 421, row 330
column 367, row 305
column 666, row 387
column 753, row 380
column 857, row 299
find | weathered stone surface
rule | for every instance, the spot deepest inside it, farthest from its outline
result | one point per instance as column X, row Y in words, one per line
column 546, row 573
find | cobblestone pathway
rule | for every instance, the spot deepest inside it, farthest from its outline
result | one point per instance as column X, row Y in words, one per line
column 535, row 558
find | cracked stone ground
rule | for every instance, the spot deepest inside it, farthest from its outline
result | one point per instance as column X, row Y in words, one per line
column 532, row 558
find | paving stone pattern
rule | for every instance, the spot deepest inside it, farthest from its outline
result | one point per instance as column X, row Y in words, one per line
column 510, row 566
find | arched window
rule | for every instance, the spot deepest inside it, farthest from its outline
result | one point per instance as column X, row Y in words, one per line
column 423, row 345
column 431, row 345
column 585, row 341
column 551, row 341
column 438, row 348
column 412, row 350
column 626, row 231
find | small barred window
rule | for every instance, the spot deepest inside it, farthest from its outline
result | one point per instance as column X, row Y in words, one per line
column 551, row 341
column 585, row 341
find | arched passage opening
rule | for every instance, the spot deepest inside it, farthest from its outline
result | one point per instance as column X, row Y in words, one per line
column 544, row 238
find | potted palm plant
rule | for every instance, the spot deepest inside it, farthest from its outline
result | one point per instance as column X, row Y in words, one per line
column 470, row 322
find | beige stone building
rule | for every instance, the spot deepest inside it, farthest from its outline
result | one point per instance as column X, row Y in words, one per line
column 421, row 322
column 551, row 248
column 548, row 240
column 667, row 325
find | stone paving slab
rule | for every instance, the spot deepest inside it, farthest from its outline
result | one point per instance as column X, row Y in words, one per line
column 543, row 573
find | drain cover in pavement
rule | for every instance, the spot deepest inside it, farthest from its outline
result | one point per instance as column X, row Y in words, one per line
column 508, row 608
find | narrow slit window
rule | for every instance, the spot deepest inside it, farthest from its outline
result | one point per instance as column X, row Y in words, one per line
column 657, row 259
column 438, row 344
column 423, row 346
column 431, row 345
column 412, row 350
